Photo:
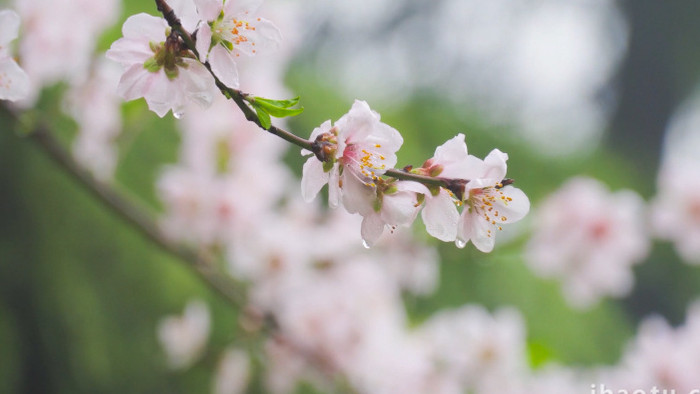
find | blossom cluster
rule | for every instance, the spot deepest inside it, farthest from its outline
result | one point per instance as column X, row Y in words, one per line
column 352, row 155
column 338, row 308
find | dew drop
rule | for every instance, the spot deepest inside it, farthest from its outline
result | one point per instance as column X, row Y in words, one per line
column 178, row 115
column 460, row 243
column 365, row 244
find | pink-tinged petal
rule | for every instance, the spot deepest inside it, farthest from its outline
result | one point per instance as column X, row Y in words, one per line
column 334, row 192
column 357, row 197
column 135, row 82
column 313, row 178
column 440, row 216
column 265, row 38
column 357, row 124
column 482, row 232
column 514, row 207
column 198, row 83
column 9, row 26
column 209, row 9
column 203, row 41
column 186, row 11
column 413, row 187
column 129, row 51
column 469, row 168
column 163, row 95
column 496, row 166
column 454, row 150
column 464, row 229
column 372, row 228
column 399, row 208
column 145, row 26
column 239, row 9
column 224, row 66
column 14, row 82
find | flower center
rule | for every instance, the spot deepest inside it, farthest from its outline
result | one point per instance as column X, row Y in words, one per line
column 483, row 202
column 368, row 160
column 167, row 55
column 233, row 31
column 599, row 230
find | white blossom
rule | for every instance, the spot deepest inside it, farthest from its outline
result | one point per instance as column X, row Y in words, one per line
column 488, row 204
column 158, row 69
column 230, row 29
column 588, row 238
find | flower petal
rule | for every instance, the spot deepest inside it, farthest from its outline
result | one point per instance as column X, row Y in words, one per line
column 455, row 149
column 372, row 228
column 14, row 82
column 440, row 216
column 241, row 8
column 9, row 26
column 496, row 166
column 224, row 66
column 357, row 196
column 481, row 231
column 515, row 205
column 265, row 38
column 400, row 208
column 209, row 9
column 145, row 26
column 135, row 82
column 198, row 83
column 203, row 41
column 313, row 178
column 334, row 191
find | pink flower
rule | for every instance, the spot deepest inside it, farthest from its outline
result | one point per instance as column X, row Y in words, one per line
column 359, row 146
column 229, row 30
column 158, row 68
column 14, row 82
column 488, row 204
column 588, row 238
column 386, row 204
column 451, row 161
column 676, row 208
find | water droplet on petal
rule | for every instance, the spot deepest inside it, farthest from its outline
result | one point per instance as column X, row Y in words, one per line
column 460, row 243
column 178, row 115
column 365, row 244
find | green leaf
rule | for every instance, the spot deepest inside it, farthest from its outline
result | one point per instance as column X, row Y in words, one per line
column 264, row 117
column 277, row 108
column 279, row 103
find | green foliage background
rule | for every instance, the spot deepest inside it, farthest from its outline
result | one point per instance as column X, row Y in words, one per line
column 81, row 293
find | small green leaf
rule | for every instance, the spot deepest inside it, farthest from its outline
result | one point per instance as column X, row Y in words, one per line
column 264, row 117
column 277, row 108
column 279, row 103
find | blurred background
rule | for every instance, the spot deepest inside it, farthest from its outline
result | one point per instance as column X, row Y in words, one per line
column 597, row 88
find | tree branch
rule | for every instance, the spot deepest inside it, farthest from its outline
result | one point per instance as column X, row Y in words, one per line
column 202, row 264
column 240, row 99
